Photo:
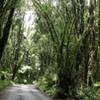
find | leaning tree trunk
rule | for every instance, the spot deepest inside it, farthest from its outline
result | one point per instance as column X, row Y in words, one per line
column 6, row 32
column 15, row 64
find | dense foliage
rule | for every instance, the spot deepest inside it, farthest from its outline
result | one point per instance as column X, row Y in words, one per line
column 53, row 44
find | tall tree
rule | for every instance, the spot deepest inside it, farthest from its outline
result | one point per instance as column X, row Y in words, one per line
column 6, row 30
column 92, row 44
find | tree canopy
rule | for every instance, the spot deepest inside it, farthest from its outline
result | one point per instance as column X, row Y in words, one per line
column 53, row 44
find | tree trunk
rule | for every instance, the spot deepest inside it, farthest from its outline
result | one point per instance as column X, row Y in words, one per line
column 92, row 45
column 6, row 32
column 17, row 52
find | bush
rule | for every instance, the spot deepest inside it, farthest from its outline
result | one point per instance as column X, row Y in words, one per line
column 90, row 93
column 47, row 86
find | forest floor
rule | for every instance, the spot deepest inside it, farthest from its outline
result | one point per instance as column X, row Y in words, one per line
column 22, row 92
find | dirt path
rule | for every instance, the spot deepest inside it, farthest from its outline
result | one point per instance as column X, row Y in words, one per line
column 23, row 92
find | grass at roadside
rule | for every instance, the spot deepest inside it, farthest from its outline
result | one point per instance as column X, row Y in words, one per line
column 4, row 84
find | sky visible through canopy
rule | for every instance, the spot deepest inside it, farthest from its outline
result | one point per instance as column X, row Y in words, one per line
column 30, row 16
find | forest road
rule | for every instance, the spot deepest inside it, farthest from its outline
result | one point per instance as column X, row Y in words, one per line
column 23, row 92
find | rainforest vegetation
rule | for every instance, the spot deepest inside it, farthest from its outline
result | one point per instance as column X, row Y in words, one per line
column 53, row 44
